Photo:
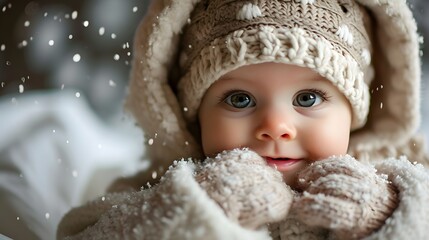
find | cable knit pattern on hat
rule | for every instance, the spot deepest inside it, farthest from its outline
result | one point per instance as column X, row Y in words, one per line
column 326, row 36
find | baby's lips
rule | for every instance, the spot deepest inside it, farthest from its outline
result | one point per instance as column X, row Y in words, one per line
column 280, row 159
column 281, row 162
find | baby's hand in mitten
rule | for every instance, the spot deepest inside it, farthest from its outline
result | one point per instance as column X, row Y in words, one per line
column 245, row 187
column 345, row 196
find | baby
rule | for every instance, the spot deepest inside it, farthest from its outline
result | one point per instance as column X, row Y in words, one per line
column 301, row 110
column 297, row 118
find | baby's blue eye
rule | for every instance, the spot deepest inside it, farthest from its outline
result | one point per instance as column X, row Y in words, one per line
column 240, row 100
column 308, row 99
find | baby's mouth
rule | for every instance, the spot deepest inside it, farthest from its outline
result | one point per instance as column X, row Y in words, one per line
column 282, row 163
column 280, row 159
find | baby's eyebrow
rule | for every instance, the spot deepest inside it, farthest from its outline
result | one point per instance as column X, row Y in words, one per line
column 319, row 79
column 224, row 78
column 232, row 78
column 227, row 77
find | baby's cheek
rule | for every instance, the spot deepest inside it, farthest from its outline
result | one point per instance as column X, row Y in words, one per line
column 224, row 136
column 327, row 141
column 212, row 143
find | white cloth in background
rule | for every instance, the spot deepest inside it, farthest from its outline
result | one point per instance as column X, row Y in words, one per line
column 55, row 153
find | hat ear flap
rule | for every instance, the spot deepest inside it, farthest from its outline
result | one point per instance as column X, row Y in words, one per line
column 150, row 98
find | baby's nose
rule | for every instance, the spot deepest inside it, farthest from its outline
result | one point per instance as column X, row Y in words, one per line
column 276, row 126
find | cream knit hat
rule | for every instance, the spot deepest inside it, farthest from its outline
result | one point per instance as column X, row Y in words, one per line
column 327, row 36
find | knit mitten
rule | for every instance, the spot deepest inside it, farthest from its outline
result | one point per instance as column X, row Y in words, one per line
column 344, row 196
column 245, row 187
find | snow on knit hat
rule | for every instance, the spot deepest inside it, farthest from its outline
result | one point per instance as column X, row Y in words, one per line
column 327, row 36
column 338, row 33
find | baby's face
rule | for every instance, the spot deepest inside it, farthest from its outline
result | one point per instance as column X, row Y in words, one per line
column 289, row 115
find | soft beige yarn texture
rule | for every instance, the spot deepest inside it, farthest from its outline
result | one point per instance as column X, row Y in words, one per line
column 249, row 191
column 345, row 196
column 327, row 36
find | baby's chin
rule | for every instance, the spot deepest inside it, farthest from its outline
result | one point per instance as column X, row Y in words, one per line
column 292, row 182
column 290, row 173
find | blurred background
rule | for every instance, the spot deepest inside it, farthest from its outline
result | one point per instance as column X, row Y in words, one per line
column 60, row 45
column 64, row 69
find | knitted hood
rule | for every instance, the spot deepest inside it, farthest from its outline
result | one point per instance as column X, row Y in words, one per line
column 394, row 106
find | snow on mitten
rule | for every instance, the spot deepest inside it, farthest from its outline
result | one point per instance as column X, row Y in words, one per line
column 344, row 196
column 245, row 187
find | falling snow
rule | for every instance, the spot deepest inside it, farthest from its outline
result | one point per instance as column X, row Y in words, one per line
column 135, row 9
column 2, row 47
column 85, row 23
column 116, row 57
column 113, row 36
column 51, row 42
column 9, row 6
column 74, row 173
column 74, row 15
column 101, row 31
column 76, row 57
column 150, row 142
column 22, row 44
column 126, row 45
column 77, row 94
column 26, row 23
column 47, row 215
column 21, row 88
column 112, row 83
